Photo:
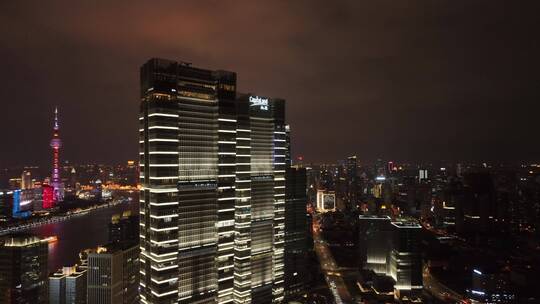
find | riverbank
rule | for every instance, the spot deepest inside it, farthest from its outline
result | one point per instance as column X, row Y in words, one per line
column 55, row 218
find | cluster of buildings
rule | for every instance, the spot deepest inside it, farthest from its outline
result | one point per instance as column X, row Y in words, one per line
column 466, row 217
column 106, row 274
column 25, row 194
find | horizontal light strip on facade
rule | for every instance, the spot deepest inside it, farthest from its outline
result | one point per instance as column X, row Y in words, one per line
column 163, row 127
column 163, row 165
column 162, row 152
column 164, row 281
column 225, row 279
column 163, row 140
column 162, row 114
column 163, row 216
column 226, row 210
column 226, row 198
column 158, row 260
column 225, row 119
column 164, row 204
column 164, row 268
column 227, row 131
column 164, row 294
column 164, row 242
column 163, row 229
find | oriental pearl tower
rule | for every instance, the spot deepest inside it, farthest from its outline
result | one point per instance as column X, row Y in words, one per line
column 56, row 143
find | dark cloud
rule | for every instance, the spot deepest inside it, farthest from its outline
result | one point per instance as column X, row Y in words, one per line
column 394, row 79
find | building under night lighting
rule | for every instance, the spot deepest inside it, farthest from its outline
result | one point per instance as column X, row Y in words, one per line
column 212, row 210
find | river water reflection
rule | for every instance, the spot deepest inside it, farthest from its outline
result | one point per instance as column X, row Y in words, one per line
column 79, row 233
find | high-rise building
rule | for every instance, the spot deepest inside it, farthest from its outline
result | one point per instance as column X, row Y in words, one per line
column 26, row 180
column 405, row 263
column 374, row 242
column 47, row 196
column 112, row 275
column 56, row 143
column 68, row 286
column 6, row 205
column 23, row 270
column 326, row 200
column 213, row 198
column 352, row 182
column 295, row 232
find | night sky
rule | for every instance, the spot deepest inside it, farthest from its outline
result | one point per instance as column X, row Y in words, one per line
column 401, row 80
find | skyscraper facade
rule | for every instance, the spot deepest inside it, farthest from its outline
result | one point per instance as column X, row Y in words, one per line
column 295, row 232
column 68, row 286
column 23, row 270
column 213, row 198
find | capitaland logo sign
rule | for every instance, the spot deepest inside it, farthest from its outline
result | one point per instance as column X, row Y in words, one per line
column 256, row 101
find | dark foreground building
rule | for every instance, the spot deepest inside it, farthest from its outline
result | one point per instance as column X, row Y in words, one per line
column 295, row 232
column 23, row 270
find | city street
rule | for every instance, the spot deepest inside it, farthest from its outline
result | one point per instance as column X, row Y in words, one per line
column 332, row 272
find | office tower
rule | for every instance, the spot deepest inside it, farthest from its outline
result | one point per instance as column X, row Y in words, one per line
column 374, row 242
column 23, row 270
column 56, row 143
column 422, row 174
column 326, row 200
column 21, row 203
column 47, row 196
column 104, row 276
column 404, row 264
column 295, row 232
column 6, row 206
column 68, row 286
column 113, row 275
column 213, row 177
column 479, row 208
column 352, row 182
column 288, row 157
column 26, row 180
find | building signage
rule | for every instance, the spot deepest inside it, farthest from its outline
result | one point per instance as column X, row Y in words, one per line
column 256, row 101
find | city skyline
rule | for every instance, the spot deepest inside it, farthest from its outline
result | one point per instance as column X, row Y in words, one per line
column 411, row 81
column 269, row 152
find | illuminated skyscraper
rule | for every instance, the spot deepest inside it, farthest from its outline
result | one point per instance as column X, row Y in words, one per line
column 26, row 180
column 213, row 198
column 56, row 143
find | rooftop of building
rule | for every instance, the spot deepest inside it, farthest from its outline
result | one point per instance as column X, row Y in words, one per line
column 21, row 240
